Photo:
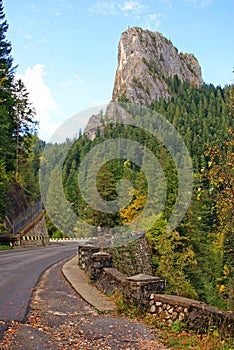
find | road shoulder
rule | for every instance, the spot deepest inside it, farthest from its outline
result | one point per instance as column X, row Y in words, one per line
column 82, row 285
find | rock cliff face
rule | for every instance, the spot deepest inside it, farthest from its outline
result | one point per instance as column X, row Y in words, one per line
column 145, row 60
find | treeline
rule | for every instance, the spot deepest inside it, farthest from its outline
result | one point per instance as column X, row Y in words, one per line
column 197, row 259
column 19, row 148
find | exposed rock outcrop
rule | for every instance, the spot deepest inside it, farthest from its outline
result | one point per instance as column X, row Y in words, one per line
column 145, row 59
column 15, row 201
column 146, row 62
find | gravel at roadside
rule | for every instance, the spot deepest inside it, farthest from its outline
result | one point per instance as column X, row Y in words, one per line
column 59, row 319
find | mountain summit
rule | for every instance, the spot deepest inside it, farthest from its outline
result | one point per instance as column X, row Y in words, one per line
column 145, row 60
column 147, row 64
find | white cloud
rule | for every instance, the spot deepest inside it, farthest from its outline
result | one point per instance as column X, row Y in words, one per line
column 133, row 6
column 103, row 8
column 152, row 21
column 76, row 79
column 116, row 7
column 33, row 7
column 28, row 36
column 154, row 17
column 54, row 12
column 205, row 3
column 201, row 3
column 41, row 97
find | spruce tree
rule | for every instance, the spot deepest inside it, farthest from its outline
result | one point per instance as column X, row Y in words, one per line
column 7, row 146
column 24, row 125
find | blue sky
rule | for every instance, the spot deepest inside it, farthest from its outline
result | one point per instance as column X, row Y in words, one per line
column 66, row 50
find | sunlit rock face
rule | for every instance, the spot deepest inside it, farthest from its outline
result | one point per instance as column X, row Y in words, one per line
column 145, row 60
column 147, row 66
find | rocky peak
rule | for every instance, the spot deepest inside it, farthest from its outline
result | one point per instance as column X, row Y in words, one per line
column 145, row 60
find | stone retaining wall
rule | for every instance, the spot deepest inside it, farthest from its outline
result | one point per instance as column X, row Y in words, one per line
column 111, row 281
column 99, row 267
column 84, row 256
column 146, row 291
column 135, row 289
column 134, row 258
column 98, row 261
column 195, row 314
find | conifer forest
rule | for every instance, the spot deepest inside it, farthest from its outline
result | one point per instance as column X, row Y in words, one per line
column 197, row 258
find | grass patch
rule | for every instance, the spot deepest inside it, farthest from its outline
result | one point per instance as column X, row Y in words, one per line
column 5, row 247
column 176, row 336
column 127, row 309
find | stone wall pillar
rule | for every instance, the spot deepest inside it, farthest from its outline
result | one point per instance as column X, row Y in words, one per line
column 99, row 261
column 84, row 255
column 140, row 288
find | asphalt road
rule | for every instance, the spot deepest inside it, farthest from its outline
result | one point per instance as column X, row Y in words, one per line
column 19, row 273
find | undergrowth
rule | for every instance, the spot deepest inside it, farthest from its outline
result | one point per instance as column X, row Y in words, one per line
column 176, row 336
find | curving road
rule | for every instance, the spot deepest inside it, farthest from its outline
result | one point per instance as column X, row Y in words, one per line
column 19, row 273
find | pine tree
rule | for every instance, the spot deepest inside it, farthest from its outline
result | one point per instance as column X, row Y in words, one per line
column 6, row 60
column 23, row 121
column 57, row 208
column 7, row 146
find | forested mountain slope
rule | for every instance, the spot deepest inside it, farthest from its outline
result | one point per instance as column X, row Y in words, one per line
column 196, row 258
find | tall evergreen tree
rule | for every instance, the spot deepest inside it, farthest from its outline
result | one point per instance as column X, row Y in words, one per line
column 16, row 117
column 6, row 60
column 7, row 147
column 24, row 125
